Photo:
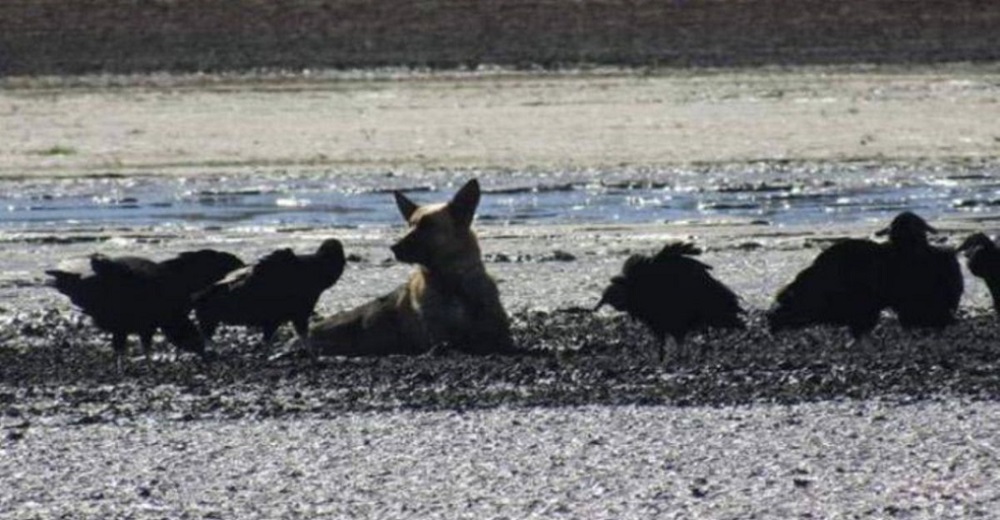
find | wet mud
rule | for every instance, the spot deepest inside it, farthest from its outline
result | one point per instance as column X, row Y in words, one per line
column 57, row 366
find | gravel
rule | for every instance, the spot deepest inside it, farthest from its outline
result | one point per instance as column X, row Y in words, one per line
column 850, row 459
column 589, row 425
column 799, row 424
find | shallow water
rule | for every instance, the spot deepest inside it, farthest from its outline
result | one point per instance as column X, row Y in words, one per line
column 772, row 194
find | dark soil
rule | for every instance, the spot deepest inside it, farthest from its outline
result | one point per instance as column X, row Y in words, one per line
column 123, row 36
column 52, row 364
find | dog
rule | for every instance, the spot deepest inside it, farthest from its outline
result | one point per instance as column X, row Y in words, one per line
column 449, row 301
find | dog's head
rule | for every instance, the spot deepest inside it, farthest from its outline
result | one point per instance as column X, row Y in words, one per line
column 440, row 234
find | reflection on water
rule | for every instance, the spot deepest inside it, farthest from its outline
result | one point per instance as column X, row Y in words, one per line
column 771, row 195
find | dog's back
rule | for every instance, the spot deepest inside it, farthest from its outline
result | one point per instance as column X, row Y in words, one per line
column 383, row 326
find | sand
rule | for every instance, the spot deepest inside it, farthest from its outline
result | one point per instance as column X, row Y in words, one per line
column 595, row 119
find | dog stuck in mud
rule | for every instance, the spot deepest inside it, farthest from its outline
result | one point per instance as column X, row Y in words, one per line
column 449, row 301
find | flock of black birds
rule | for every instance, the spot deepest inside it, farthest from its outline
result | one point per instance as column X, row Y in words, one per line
column 849, row 284
column 130, row 295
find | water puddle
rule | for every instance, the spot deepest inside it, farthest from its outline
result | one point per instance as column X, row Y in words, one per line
column 762, row 195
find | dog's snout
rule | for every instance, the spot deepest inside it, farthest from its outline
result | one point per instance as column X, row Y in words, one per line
column 398, row 251
column 404, row 250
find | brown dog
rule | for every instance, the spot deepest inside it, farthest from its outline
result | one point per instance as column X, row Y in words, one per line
column 449, row 301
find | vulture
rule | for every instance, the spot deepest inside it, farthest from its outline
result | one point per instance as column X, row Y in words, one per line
column 921, row 283
column 852, row 281
column 673, row 294
column 133, row 295
column 279, row 288
column 983, row 259
column 840, row 288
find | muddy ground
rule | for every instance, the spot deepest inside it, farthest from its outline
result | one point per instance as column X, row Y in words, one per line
column 800, row 424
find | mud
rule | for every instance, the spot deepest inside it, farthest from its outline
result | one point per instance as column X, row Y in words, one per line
column 63, row 370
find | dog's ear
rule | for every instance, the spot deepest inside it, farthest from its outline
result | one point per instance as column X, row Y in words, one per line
column 463, row 205
column 405, row 205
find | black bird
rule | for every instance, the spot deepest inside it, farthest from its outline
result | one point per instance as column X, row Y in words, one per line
column 841, row 287
column 192, row 271
column 133, row 295
column 921, row 283
column 280, row 287
column 983, row 260
column 673, row 294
